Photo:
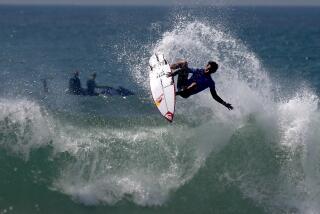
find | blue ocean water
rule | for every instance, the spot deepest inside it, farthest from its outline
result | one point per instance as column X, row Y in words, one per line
column 73, row 154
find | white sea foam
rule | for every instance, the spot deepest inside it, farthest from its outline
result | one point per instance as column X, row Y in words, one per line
column 295, row 118
column 142, row 164
column 299, row 124
column 24, row 126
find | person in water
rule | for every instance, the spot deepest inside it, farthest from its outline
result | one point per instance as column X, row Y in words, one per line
column 75, row 85
column 199, row 81
column 91, row 85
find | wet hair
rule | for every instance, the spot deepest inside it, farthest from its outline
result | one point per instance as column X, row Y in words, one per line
column 214, row 66
column 93, row 74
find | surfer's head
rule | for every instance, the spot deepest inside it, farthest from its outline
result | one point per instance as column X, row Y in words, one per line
column 76, row 73
column 211, row 67
column 93, row 75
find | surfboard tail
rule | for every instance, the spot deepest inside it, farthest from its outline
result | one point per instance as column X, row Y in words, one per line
column 169, row 116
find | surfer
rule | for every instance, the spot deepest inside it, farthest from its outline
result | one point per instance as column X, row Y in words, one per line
column 199, row 81
column 45, row 85
column 91, row 85
column 75, row 85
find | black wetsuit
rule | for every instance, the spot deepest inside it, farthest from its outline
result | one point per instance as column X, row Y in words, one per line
column 182, row 81
column 91, row 86
column 75, row 86
column 203, row 82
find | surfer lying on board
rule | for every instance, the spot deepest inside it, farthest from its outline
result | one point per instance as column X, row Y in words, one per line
column 199, row 81
column 91, row 85
column 110, row 91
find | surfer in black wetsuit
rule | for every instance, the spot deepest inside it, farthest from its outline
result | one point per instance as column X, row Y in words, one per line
column 45, row 85
column 92, row 85
column 182, row 69
column 75, row 85
column 199, row 81
column 110, row 91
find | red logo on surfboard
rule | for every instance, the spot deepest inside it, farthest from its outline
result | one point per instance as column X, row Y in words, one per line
column 169, row 116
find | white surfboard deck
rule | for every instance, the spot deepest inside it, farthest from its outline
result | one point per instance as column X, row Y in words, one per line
column 162, row 87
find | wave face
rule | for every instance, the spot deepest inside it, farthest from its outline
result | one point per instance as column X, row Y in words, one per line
column 262, row 157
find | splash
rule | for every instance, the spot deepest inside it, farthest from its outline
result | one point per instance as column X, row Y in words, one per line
column 242, row 80
column 24, row 126
column 295, row 118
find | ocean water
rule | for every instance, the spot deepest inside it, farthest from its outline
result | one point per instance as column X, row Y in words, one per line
column 72, row 154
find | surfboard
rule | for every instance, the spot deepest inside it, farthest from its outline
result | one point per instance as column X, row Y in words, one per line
column 162, row 86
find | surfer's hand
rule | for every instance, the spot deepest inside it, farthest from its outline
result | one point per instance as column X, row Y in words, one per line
column 169, row 74
column 228, row 106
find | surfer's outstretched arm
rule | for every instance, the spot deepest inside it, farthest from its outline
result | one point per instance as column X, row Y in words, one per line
column 219, row 100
